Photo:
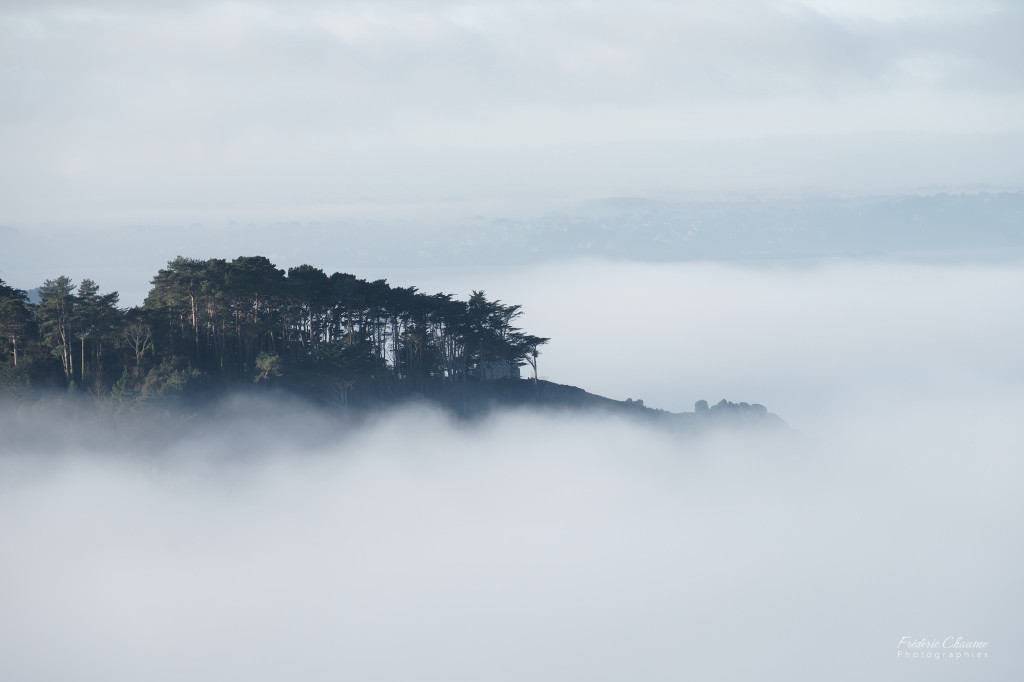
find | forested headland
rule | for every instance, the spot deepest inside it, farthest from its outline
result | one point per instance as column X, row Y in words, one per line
column 211, row 326
column 213, row 329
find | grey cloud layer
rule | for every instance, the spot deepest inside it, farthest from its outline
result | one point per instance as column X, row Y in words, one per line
column 118, row 106
column 529, row 548
column 497, row 54
column 550, row 547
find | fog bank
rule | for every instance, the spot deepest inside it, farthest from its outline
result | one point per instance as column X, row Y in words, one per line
column 530, row 547
column 555, row 547
column 809, row 340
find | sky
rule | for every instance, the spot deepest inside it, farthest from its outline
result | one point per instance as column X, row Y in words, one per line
column 116, row 112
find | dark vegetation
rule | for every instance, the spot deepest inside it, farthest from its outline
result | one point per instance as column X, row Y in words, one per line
column 210, row 329
column 208, row 326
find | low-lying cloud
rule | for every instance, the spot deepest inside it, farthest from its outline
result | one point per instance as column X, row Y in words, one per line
column 528, row 547
column 557, row 547
column 809, row 340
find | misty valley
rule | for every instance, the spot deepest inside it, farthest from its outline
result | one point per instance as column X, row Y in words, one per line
column 347, row 477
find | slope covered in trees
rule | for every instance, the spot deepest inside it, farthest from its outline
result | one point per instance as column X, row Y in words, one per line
column 212, row 325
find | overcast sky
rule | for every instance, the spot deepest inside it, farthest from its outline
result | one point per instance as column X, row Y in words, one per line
column 116, row 111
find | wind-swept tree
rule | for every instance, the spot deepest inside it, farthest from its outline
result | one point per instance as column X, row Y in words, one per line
column 176, row 291
column 526, row 348
column 254, row 287
column 56, row 315
column 96, row 319
column 136, row 336
column 492, row 337
column 308, row 292
column 15, row 320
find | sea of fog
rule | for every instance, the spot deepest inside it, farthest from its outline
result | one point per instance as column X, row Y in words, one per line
column 553, row 547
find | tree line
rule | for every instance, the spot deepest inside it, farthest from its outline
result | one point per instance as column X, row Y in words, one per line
column 219, row 323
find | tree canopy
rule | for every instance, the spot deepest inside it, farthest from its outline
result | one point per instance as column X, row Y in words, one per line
column 245, row 321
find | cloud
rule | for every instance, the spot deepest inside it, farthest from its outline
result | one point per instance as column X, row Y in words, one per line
column 116, row 106
column 806, row 339
column 566, row 547
column 528, row 547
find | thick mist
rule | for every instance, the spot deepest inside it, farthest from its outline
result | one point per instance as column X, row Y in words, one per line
column 809, row 340
column 276, row 543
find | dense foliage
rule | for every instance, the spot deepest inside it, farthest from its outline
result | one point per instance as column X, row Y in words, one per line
column 216, row 323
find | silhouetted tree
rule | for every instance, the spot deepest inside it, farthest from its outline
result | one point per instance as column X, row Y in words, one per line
column 96, row 319
column 56, row 315
column 16, row 321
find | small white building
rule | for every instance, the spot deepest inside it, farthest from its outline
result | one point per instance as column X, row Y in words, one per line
column 490, row 371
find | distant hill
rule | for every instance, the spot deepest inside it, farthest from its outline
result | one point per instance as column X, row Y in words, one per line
column 480, row 398
column 105, row 425
column 980, row 227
